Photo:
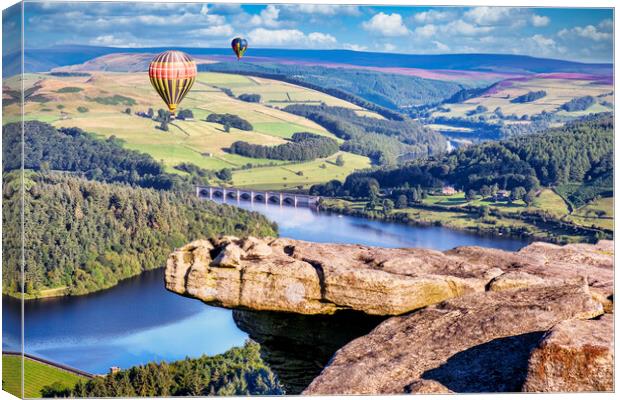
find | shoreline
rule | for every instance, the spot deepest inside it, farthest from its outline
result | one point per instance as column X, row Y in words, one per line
column 64, row 294
column 406, row 217
column 477, row 227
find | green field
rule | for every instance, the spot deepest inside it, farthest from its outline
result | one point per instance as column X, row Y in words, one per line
column 559, row 91
column 37, row 375
column 546, row 200
column 599, row 213
column 304, row 174
column 198, row 142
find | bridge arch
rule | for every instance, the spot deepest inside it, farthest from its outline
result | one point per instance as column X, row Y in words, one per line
column 259, row 197
column 204, row 193
column 289, row 201
column 218, row 193
column 231, row 195
column 246, row 196
column 274, row 199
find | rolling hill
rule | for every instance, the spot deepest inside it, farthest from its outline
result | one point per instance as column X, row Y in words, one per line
column 96, row 103
column 40, row 60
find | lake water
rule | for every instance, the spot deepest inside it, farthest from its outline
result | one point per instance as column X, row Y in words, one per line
column 139, row 321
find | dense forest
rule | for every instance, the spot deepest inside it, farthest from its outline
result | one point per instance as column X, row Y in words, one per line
column 384, row 141
column 391, row 91
column 238, row 372
column 579, row 152
column 230, row 120
column 303, row 146
column 86, row 235
column 465, row 94
column 71, row 149
column 578, row 104
column 250, row 97
column 529, row 97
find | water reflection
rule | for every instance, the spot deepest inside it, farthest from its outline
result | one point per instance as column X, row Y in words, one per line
column 139, row 321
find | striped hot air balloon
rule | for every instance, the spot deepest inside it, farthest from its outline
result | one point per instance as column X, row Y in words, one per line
column 239, row 46
column 172, row 75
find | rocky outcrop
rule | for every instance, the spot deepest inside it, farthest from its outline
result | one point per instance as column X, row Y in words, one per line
column 313, row 278
column 413, row 320
column 475, row 343
column 573, row 356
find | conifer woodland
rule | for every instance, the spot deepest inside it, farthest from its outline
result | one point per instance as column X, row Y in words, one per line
column 239, row 371
column 95, row 213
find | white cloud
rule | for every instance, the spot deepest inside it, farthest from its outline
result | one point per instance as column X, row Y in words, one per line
column 540, row 45
column 386, row 25
column 267, row 17
column 280, row 37
column 429, row 16
column 460, row 27
column 389, row 47
column 588, row 32
column 215, row 30
column 321, row 38
column 606, row 25
column 114, row 41
column 488, row 15
column 323, row 9
column 441, row 46
column 204, row 10
column 426, row 30
column 543, row 41
column 540, row 20
column 355, row 47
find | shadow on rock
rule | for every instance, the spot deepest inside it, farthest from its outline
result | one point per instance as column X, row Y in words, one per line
column 297, row 347
column 496, row 366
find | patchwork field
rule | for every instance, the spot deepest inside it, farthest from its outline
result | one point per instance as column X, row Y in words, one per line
column 545, row 200
column 299, row 175
column 559, row 88
column 37, row 375
column 599, row 213
column 97, row 104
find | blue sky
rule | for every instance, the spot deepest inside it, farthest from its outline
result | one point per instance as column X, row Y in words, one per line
column 574, row 34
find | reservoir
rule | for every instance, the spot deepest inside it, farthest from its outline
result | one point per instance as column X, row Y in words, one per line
column 139, row 321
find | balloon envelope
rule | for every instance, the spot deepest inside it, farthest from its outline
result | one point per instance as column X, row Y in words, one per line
column 172, row 75
column 239, row 46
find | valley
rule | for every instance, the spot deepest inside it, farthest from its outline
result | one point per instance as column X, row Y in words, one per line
column 110, row 183
column 93, row 107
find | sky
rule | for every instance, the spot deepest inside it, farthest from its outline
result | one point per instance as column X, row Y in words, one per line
column 564, row 33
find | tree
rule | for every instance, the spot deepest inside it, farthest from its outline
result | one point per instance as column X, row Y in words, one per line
column 485, row 191
column 226, row 127
column 494, row 189
column 340, row 160
column 128, row 111
column 415, row 195
column 164, row 126
column 388, row 205
column 185, row 114
column 225, row 174
column 528, row 198
column 163, row 115
column 56, row 389
column 517, row 193
column 150, row 112
column 484, row 211
column 401, row 202
column 470, row 195
column 371, row 205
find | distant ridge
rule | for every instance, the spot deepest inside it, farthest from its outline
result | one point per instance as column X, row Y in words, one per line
column 42, row 60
